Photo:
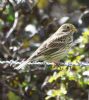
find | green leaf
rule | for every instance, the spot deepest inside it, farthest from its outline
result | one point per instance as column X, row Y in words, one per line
column 12, row 96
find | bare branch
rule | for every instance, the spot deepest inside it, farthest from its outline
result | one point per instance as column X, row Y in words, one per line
column 14, row 25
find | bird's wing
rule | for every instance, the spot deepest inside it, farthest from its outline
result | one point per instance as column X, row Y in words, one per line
column 51, row 45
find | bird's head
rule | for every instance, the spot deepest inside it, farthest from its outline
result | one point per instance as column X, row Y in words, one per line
column 68, row 28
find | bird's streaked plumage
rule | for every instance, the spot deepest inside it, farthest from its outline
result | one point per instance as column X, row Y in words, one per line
column 55, row 47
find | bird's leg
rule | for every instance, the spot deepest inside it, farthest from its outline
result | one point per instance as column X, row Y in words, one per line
column 56, row 64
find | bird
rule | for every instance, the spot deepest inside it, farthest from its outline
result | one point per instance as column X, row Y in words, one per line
column 55, row 47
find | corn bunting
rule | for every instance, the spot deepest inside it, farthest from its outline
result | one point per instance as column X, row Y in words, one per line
column 55, row 47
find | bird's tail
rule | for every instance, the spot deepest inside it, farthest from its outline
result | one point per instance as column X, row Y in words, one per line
column 23, row 65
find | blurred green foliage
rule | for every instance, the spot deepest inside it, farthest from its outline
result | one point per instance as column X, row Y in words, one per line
column 12, row 96
column 78, row 74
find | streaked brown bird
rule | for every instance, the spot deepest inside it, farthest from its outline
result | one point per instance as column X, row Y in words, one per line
column 55, row 47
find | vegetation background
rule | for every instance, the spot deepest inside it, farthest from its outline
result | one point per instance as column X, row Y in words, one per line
column 24, row 25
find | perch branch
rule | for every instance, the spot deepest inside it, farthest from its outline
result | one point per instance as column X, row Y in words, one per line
column 12, row 62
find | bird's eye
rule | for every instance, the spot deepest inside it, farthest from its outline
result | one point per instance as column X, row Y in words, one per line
column 66, row 29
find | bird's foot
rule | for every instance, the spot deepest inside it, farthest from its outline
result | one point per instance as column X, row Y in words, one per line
column 56, row 64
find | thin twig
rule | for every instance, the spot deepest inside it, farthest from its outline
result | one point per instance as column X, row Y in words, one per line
column 14, row 25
